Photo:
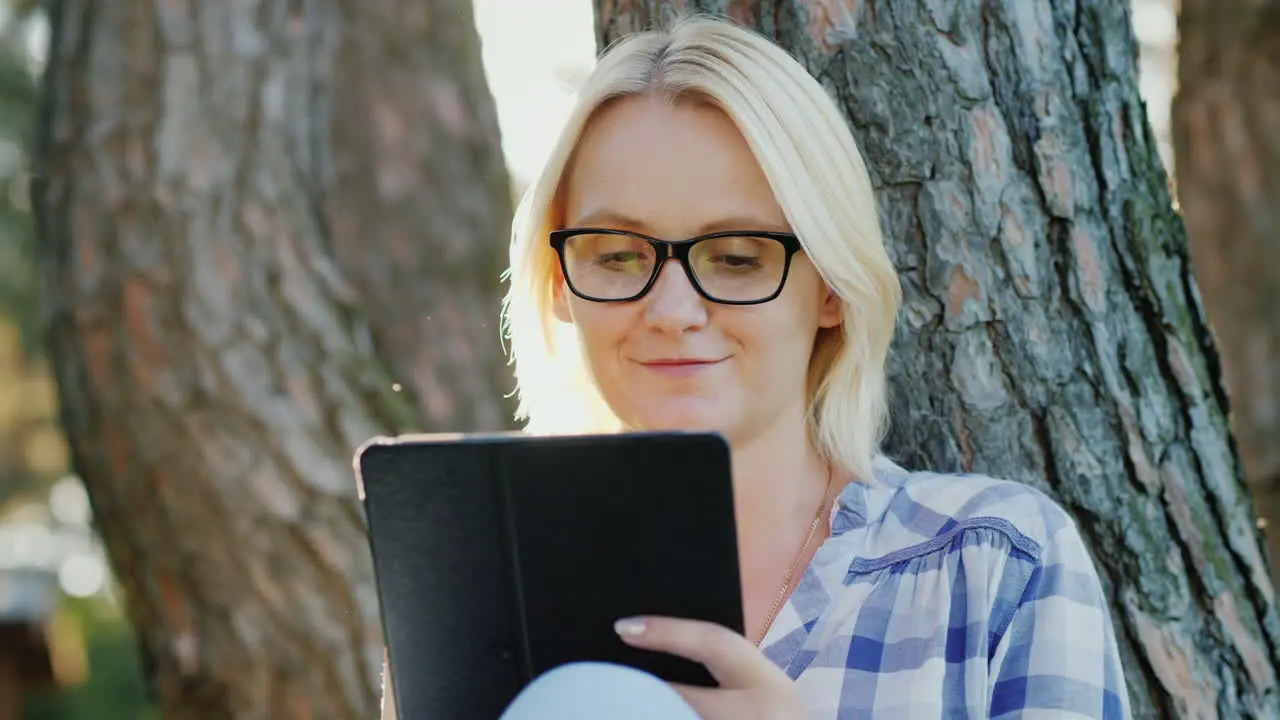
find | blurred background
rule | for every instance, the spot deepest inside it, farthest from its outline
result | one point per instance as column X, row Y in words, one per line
column 54, row 574
column 66, row 647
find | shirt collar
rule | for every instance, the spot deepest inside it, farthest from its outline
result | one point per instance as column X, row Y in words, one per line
column 863, row 500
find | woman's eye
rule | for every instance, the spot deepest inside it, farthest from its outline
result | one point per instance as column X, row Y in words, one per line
column 619, row 258
column 737, row 262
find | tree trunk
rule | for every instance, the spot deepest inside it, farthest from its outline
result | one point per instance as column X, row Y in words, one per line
column 1226, row 132
column 1052, row 332
column 420, row 203
column 215, row 363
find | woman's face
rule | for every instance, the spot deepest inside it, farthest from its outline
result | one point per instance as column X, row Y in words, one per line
column 672, row 359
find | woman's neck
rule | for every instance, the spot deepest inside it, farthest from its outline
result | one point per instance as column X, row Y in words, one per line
column 779, row 480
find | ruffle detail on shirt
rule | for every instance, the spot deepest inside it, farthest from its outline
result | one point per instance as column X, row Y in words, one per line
column 1020, row 543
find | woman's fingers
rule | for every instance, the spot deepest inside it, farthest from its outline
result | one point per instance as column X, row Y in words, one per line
column 731, row 658
column 751, row 686
column 715, row 703
column 709, row 702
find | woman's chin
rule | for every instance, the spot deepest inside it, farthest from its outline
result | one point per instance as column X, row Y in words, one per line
column 685, row 419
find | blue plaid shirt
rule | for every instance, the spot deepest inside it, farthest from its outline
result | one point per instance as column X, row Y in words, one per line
column 944, row 596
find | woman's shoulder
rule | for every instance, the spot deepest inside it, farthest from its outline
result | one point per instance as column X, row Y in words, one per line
column 916, row 511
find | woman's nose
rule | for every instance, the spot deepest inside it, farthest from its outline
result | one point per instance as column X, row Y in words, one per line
column 673, row 304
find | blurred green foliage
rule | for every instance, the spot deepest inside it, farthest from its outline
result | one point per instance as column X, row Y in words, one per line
column 32, row 449
column 114, row 688
column 19, row 291
column 32, row 453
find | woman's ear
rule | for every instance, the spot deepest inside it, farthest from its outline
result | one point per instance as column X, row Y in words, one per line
column 560, row 298
column 831, row 311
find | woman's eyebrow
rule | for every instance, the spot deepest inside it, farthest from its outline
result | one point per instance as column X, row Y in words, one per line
column 742, row 222
column 611, row 218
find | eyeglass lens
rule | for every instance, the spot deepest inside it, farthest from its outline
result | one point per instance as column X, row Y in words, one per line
column 732, row 268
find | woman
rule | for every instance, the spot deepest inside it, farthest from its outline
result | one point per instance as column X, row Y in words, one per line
column 702, row 251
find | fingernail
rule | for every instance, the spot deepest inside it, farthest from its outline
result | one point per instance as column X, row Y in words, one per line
column 629, row 626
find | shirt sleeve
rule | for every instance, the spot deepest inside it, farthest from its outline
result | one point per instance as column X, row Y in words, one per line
column 1058, row 656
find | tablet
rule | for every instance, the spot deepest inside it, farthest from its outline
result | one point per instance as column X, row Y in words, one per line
column 500, row 556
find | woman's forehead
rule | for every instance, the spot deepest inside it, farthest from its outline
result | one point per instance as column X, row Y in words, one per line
column 648, row 161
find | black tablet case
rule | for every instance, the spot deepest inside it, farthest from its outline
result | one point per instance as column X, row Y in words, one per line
column 499, row 557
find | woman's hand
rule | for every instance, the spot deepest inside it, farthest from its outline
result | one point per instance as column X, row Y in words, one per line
column 751, row 686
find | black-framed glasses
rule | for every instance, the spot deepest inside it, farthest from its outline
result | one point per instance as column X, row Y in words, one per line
column 739, row 267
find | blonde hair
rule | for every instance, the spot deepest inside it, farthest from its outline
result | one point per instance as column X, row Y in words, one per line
column 813, row 165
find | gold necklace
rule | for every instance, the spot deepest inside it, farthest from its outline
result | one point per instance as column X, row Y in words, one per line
column 786, row 583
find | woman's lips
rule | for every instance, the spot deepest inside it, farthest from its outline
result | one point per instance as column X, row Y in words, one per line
column 680, row 367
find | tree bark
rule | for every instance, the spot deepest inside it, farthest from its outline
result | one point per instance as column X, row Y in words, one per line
column 198, row 206
column 1226, row 133
column 421, row 203
column 1052, row 332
